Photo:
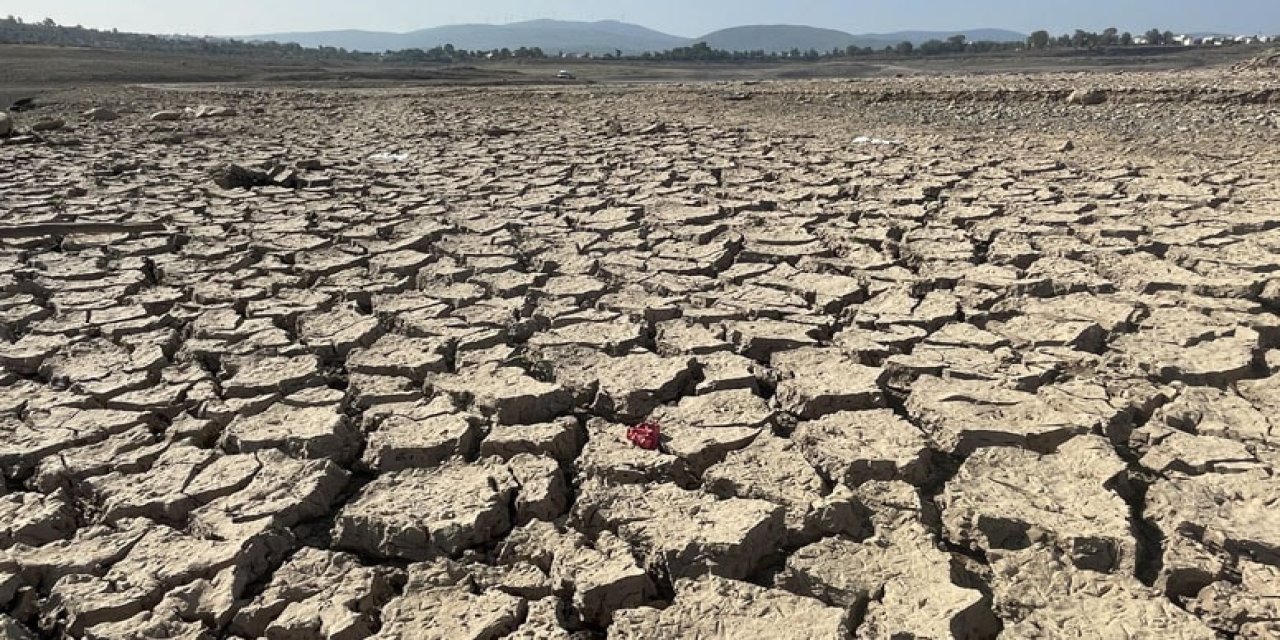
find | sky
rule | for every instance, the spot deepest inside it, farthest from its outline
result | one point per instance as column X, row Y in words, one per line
column 690, row 18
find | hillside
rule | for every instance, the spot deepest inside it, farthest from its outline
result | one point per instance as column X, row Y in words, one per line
column 555, row 36
column 551, row 36
column 777, row 38
column 350, row 39
column 918, row 37
column 787, row 37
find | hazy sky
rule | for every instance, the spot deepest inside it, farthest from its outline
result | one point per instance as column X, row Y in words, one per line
column 680, row 17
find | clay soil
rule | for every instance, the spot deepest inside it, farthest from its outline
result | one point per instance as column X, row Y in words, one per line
column 931, row 357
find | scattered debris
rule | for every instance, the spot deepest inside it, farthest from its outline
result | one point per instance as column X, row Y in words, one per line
column 646, row 435
column 876, row 141
column 386, row 157
column 1266, row 61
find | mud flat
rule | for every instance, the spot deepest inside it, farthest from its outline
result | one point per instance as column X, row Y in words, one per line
column 931, row 358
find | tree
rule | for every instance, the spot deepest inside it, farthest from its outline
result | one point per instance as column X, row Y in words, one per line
column 1039, row 40
column 1155, row 37
column 956, row 43
column 933, row 47
column 905, row 47
column 1110, row 37
column 1126, row 39
column 1167, row 38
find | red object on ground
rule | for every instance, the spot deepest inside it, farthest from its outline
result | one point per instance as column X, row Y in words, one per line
column 645, row 435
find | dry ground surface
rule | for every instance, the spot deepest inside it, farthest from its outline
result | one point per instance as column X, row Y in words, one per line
column 30, row 70
column 931, row 358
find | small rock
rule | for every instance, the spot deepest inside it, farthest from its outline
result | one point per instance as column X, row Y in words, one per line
column 1087, row 97
column 50, row 124
column 207, row 111
column 234, row 176
column 100, row 114
column 166, row 116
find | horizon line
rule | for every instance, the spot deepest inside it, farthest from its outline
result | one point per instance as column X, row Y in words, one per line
column 635, row 24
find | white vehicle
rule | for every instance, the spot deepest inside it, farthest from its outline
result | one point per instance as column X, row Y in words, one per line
column 565, row 75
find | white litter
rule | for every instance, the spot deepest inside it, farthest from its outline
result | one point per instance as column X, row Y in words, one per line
column 865, row 140
column 389, row 157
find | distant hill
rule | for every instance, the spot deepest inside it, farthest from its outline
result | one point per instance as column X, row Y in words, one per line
column 555, row 36
column 972, row 35
column 552, row 36
column 780, row 37
column 352, row 40
column 788, row 37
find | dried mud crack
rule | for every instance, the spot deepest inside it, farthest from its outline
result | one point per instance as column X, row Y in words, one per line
column 360, row 363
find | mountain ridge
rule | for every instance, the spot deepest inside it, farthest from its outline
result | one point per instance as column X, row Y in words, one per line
column 610, row 36
column 780, row 38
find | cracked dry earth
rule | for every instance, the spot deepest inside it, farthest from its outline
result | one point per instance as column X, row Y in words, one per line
column 977, row 383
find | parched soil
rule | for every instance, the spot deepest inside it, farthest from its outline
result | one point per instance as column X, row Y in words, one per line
column 965, row 357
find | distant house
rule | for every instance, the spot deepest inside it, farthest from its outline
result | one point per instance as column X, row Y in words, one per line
column 1141, row 40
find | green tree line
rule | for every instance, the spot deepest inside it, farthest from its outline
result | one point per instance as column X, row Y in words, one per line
column 47, row 32
column 1107, row 38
